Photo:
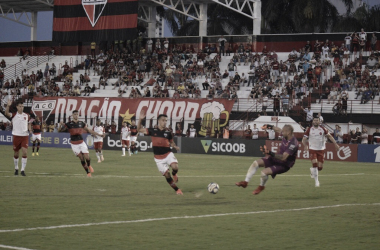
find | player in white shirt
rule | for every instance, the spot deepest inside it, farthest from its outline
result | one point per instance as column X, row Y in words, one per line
column 192, row 132
column 255, row 132
column 125, row 138
column 315, row 136
column 20, row 131
column 98, row 141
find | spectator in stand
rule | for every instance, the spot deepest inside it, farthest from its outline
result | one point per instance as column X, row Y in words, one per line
column 376, row 137
column 264, row 103
column 271, row 134
column 2, row 126
column 363, row 35
column 285, row 103
column 338, row 135
column 248, row 133
column 231, row 69
column 222, row 42
column 332, row 96
column 372, row 63
column 366, row 96
column 337, row 108
column 276, row 104
column 321, row 120
column 3, row 64
column 53, row 69
column 347, row 40
column 1, row 78
column 373, row 41
column 356, row 136
column 344, row 102
column 355, row 42
column 87, row 90
column 309, row 115
column 364, row 137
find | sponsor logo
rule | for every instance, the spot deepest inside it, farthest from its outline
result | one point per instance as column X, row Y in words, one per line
column 344, row 153
column 224, row 147
column 228, row 147
column 206, row 145
column 43, row 109
column 94, row 9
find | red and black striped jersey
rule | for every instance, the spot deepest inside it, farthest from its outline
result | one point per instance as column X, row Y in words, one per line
column 133, row 130
column 161, row 140
column 36, row 125
column 76, row 130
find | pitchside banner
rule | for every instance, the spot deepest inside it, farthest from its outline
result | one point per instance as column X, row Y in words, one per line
column 203, row 113
column 94, row 20
column 213, row 146
column 144, row 143
column 368, row 153
column 55, row 140
column 347, row 152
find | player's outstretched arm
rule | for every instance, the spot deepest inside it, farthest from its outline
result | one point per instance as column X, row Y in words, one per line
column 62, row 127
column 266, row 151
column 305, row 143
column 172, row 144
column 139, row 127
column 269, row 126
column 92, row 132
column 7, row 108
column 331, row 138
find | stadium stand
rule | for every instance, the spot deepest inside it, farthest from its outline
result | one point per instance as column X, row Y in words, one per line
column 320, row 78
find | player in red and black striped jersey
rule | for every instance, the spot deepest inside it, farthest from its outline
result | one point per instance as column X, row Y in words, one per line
column 162, row 140
column 76, row 129
column 133, row 129
column 36, row 136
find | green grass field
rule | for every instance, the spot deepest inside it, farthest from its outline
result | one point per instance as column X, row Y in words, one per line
column 128, row 205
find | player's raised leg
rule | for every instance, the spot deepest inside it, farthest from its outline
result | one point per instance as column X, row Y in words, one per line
column 174, row 167
column 251, row 171
column 88, row 162
column 263, row 180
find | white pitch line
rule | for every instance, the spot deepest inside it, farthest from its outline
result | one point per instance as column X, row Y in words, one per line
column 11, row 247
column 182, row 217
column 158, row 176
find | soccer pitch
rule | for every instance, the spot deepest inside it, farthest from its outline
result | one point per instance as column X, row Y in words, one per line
column 127, row 204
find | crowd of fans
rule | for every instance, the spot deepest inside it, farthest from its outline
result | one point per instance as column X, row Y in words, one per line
column 320, row 67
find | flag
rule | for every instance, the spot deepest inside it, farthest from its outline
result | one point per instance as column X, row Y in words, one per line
column 94, row 20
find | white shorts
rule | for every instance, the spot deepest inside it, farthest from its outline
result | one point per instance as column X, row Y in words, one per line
column 163, row 164
column 284, row 73
column 79, row 148
column 36, row 137
column 231, row 73
column 133, row 138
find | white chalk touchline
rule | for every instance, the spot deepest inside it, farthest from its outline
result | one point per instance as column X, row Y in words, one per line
column 183, row 217
column 17, row 248
column 158, row 176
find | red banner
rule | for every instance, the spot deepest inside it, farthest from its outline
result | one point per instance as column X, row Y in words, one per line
column 186, row 111
column 347, row 152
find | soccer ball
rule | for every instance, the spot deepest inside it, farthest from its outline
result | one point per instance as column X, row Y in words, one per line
column 213, row 188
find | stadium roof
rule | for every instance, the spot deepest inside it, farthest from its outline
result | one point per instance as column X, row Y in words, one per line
column 26, row 5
